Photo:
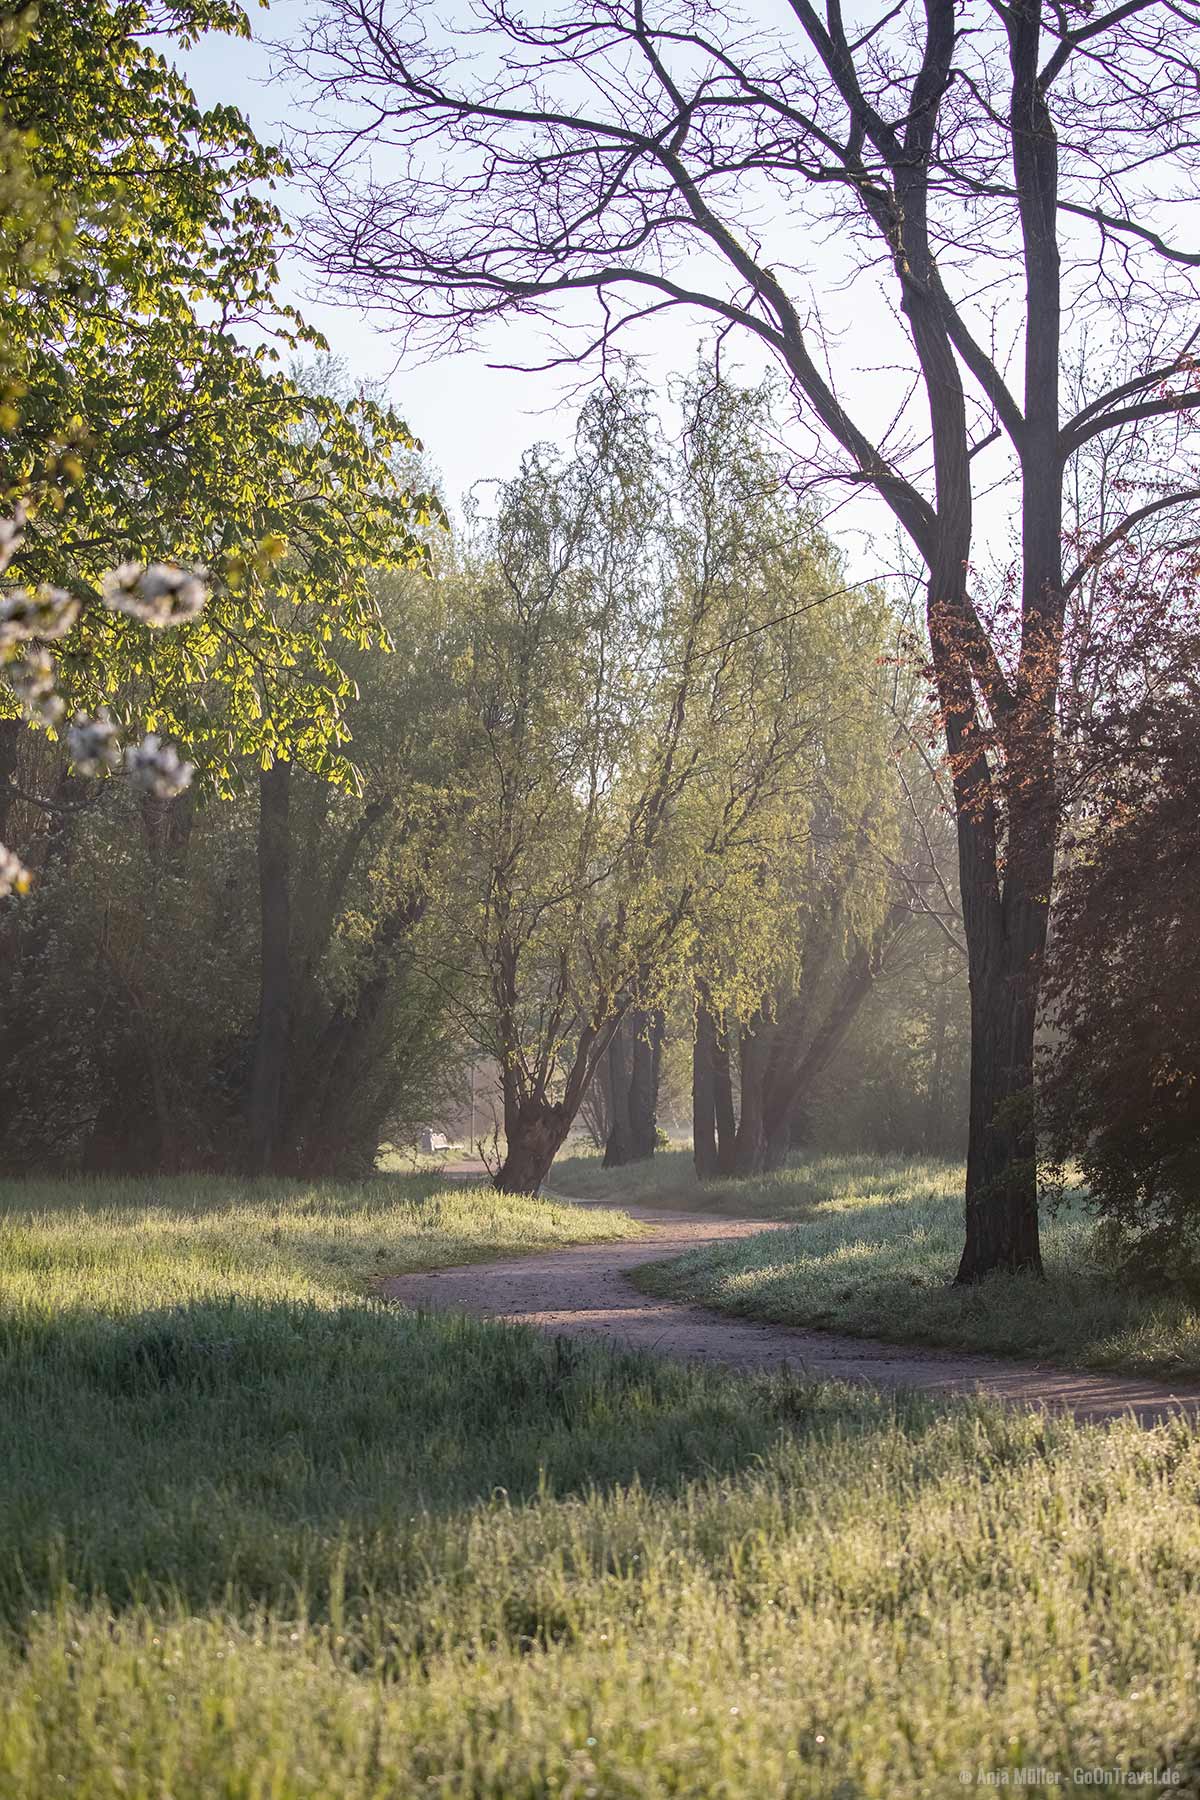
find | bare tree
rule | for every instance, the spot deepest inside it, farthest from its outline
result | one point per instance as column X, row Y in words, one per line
column 1013, row 172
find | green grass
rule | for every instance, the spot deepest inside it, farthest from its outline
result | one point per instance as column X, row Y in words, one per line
column 267, row 1538
column 666, row 1179
column 186, row 1238
column 872, row 1250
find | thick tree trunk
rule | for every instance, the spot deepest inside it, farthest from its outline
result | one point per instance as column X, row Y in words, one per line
column 750, row 1141
column 536, row 1127
column 1001, row 1198
column 274, row 1007
column 634, row 1063
column 643, row 1082
column 1005, row 931
column 1005, row 902
column 1005, row 934
column 704, row 1101
column 618, row 1148
column 534, row 1133
column 1006, row 927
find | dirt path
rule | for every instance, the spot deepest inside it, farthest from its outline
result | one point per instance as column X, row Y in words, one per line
column 586, row 1290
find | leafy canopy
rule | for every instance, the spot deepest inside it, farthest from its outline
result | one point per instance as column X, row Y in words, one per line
column 147, row 413
column 660, row 680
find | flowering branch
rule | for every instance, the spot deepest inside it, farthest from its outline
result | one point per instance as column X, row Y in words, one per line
column 160, row 596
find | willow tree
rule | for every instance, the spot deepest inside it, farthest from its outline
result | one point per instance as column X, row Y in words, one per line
column 637, row 703
column 1012, row 174
column 837, row 918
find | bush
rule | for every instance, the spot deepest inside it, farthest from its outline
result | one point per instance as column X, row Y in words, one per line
column 1120, row 1089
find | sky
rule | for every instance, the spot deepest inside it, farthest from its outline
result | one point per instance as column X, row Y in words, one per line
column 474, row 420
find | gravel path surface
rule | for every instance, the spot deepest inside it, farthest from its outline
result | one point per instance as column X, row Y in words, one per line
column 586, row 1290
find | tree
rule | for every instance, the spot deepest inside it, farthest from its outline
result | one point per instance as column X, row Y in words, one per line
column 637, row 703
column 835, row 923
column 1120, row 1088
column 781, row 1053
column 631, row 1082
column 150, row 420
column 132, row 973
column 897, row 1080
column 1014, row 175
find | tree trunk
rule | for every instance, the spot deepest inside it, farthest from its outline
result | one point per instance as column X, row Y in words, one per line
column 1006, row 940
column 10, row 739
column 704, row 1095
column 534, row 1133
column 634, row 1062
column 1006, row 937
column 723, row 1101
column 1001, row 1198
column 536, row 1127
column 618, row 1148
column 274, row 1007
column 650, row 1029
column 1004, row 923
column 750, row 1142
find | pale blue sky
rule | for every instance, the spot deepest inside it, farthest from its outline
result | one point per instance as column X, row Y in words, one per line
column 474, row 420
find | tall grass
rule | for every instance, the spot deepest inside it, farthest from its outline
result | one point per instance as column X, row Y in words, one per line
column 267, row 1537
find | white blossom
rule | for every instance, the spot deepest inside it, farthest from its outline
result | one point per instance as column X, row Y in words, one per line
column 14, row 876
column 159, row 595
column 33, row 678
column 155, row 767
column 93, row 743
column 48, row 612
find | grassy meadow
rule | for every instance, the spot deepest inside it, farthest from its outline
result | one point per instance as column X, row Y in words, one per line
column 267, row 1536
column 872, row 1246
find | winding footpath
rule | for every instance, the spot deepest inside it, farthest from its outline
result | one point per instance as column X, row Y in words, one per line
column 585, row 1290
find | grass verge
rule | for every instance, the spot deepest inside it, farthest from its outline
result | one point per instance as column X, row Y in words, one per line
column 266, row 1536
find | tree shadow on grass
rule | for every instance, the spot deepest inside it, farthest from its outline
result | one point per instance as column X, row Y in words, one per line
column 203, row 1193
column 65, row 1244
column 239, row 1454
